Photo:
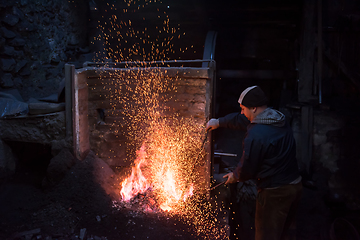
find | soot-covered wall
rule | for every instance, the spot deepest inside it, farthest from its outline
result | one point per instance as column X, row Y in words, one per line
column 36, row 39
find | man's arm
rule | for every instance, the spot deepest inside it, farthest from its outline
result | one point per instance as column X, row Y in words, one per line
column 232, row 120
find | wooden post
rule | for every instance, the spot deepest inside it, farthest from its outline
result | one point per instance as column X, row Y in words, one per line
column 320, row 51
column 307, row 52
column 210, row 95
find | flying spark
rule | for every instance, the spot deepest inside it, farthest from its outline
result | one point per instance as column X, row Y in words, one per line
column 168, row 145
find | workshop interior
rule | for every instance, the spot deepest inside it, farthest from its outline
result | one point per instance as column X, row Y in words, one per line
column 104, row 105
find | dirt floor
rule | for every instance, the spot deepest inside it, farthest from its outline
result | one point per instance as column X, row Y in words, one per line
column 77, row 204
column 81, row 206
column 84, row 205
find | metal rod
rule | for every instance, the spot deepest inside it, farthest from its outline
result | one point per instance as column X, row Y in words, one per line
column 225, row 154
column 147, row 62
column 218, row 185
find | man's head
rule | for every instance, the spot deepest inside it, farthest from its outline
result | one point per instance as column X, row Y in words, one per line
column 252, row 102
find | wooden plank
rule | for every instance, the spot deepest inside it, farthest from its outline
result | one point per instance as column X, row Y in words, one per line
column 105, row 104
column 80, row 78
column 171, row 72
column 113, row 127
column 198, row 82
column 113, row 89
column 127, row 88
column 97, row 138
column 80, row 119
column 94, row 113
column 115, row 137
column 98, row 95
column 105, row 82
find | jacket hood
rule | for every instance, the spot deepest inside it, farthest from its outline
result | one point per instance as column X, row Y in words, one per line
column 270, row 117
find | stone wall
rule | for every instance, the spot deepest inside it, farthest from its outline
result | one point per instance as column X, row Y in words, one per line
column 36, row 39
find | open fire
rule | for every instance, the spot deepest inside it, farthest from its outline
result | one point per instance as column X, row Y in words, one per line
column 158, row 180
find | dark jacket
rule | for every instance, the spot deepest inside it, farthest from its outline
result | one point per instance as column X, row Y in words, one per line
column 268, row 151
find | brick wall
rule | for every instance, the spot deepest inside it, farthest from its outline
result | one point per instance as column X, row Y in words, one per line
column 115, row 107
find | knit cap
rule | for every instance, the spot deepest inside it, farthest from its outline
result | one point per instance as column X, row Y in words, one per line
column 253, row 97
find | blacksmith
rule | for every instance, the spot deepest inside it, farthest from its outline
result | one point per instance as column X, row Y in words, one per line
column 269, row 159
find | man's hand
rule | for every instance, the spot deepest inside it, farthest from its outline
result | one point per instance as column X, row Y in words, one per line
column 212, row 124
column 230, row 178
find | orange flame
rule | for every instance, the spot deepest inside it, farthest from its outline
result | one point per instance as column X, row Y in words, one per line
column 174, row 193
column 167, row 185
column 136, row 183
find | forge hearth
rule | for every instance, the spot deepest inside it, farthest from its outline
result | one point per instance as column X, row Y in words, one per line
column 108, row 99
